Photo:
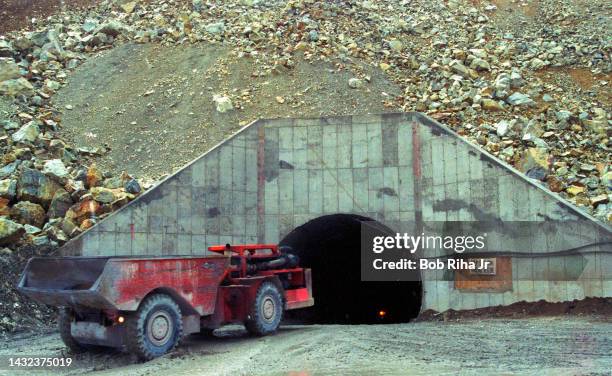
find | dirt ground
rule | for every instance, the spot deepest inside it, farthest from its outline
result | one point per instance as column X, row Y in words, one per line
column 535, row 346
column 153, row 105
column 18, row 14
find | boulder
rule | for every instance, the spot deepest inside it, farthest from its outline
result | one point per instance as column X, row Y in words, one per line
column 519, row 99
column 103, row 195
column 223, row 103
column 8, row 188
column 8, row 169
column 355, row 83
column 10, row 232
column 55, row 168
column 36, row 187
column 56, row 234
column 60, row 204
column 82, row 210
column 112, row 28
column 535, row 158
column 15, row 87
column 491, row 105
column 5, row 209
column 215, row 28
column 133, row 187
column 26, row 212
column 9, row 70
column 28, row 133
column 93, row 177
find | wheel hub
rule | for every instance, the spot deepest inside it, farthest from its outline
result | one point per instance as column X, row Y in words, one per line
column 268, row 309
column 159, row 328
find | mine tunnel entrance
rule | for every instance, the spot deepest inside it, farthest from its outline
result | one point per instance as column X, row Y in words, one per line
column 330, row 245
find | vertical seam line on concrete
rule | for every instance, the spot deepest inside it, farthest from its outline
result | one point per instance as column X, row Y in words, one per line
column 416, row 171
column 260, row 183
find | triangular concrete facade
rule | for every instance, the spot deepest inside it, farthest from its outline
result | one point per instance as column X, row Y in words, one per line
column 275, row 175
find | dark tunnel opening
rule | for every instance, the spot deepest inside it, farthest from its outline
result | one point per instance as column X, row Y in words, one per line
column 330, row 246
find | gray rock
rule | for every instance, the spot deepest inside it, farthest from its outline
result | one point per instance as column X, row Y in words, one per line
column 41, row 241
column 396, row 45
column 6, row 49
column 39, row 38
column 459, row 68
column 537, row 173
column 8, row 188
column 103, row 195
column 10, row 232
column 606, row 180
column 502, row 85
column 519, row 99
column 89, row 25
column 355, row 83
column 313, row 35
column 112, row 28
column 516, row 80
column 9, row 169
column 8, row 69
column 27, row 133
column 19, row 86
column 31, row 230
column 36, row 187
column 56, row 234
column 223, row 103
column 9, row 125
column 23, row 44
column 480, row 64
column 133, row 187
column 55, row 168
column 60, row 204
column 536, row 64
column 563, row 116
column 547, row 98
column 502, row 128
column 215, row 28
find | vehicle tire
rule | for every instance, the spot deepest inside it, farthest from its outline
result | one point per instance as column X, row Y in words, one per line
column 267, row 310
column 64, row 321
column 156, row 328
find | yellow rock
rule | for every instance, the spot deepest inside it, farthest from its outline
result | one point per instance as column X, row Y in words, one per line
column 129, row 6
column 575, row 189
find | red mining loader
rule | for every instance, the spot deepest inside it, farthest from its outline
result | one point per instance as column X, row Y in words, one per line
column 146, row 304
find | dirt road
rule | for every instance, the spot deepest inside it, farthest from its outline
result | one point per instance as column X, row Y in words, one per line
column 542, row 346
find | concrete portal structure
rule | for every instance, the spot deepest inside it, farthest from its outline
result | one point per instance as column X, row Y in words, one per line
column 276, row 175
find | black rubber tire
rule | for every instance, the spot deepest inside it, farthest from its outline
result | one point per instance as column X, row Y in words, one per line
column 258, row 324
column 139, row 339
column 64, row 321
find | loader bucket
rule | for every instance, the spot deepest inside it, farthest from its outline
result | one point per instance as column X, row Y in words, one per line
column 64, row 281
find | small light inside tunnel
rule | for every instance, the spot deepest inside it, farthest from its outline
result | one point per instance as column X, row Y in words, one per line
column 120, row 319
column 382, row 313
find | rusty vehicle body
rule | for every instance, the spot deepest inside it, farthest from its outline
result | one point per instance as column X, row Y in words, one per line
column 101, row 298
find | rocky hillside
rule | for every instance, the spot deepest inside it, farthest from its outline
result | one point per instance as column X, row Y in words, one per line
column 526, row 80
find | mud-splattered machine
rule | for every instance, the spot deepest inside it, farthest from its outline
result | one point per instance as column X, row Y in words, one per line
column 147, row 304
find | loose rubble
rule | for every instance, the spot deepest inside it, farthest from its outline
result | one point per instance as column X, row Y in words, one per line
column 477, row 67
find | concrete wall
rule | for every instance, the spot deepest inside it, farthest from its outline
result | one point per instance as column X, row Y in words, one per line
column 275, row 175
